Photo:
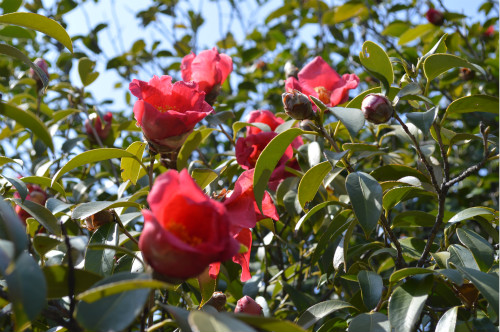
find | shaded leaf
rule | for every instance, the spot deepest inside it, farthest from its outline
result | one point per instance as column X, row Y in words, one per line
column 370, row 322
column 57, row 280
column 423, row 120
column 41, row 214
column 352, row 118
column 480, row 248
column 319, row 311
column 371, row 285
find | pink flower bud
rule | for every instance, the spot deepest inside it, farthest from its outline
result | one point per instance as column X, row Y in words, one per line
column 434, row 16
column 45, row 68
column 247, row 305
column 297, row 105
column 101, row 130
column 377, row 108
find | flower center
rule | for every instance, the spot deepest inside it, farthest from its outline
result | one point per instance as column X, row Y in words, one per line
column 181, row 232
column 166, row 108
column 323, row 94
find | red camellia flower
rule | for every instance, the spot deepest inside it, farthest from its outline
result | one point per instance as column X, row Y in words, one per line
column 36, row 194
column 321, row 81
column 185, row 230
column 488, row 33
column 263, row 116
column 102, row 130
column 166, row 112
column 209, row 69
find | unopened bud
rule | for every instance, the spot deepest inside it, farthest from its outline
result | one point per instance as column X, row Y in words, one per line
column 377, row 108
column 99, row 219
column 297, row 105
column 434, row 16
column 218, row 301
column 247, row 305
column 43, row 66
column 466, row 74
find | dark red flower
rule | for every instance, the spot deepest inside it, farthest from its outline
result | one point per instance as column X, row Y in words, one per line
column 247, row 305
column 185, row 230
column 434, row 16
column 321, row 81
column 208, row 69
column 488, row 33
column 102, row 130
column 263, row 116
column 166, row 112
column 36, row 194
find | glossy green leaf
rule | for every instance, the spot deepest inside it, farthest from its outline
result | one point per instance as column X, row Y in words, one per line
column 102, row 261
column 370, row 322
column 437, row 64
column 414, row 33
column 319, row 311
column 406, row 303
column 270, row 324
column 311, row 181
column 396, row 172
column 57, row 280
column 300, row 299
column 371, row 285
column 486, row 283
column 314, row 210
column 41, row 214
column 43, row 243
column 352, row 118
column 423, row 120
column 6, row 160
column 448, row 321
column 85, row 210
column 406, row 272
column 115, row 312
column 29, row 121
column 11, row 227
column 15, row 53
column 396, row 195
column 376, row 61
column 268, row 160
column 365, row 194
column 439, row 47
column 413, row 219
column 470, row 213
column 191, row 144
column 130, row 167
column 461, row 256
column 91, row 156
column 27, row 288
column 86, row 71
column 480, row 248
column 19, row 185
column 54, row 205
column 39, row 23
column 451, row 274
column 203, row 176
column 45, row 182
column 204, row 322
column 475, row 103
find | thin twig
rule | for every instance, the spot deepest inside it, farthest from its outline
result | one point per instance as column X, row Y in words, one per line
column 400, row 263
column 119, row 222
column 444, row 156
column 226, row 134
column 71, row 273
column 333, row 143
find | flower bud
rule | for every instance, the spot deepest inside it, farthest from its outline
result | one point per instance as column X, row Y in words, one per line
column 466, row 74
column 247, row 305
column 307, row 125
column 377, row 108
column 297, row 105
column 99, row 219
column 490, row 32
column 45, row 68
column 218, row 301
column 95, row 121
column 435, row 17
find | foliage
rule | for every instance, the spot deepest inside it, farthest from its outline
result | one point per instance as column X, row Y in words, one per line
column 387, row 227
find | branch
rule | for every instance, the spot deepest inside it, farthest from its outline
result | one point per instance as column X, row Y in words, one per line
column 444, row 156
column 400, row 263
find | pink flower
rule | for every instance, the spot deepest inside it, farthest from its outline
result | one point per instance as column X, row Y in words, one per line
column 166, row 112
column 102, row 131
column 263, row 116
column 321, row 81
column 208, row 69
column 247, row 305
column 36, row 194
column 185, row 230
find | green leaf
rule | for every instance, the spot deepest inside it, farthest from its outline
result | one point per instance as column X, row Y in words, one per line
column 311, row 181
column 470, row 213
column 102, row 261
column 439, row 47
column 352, row 118
column 371, row 285
column 340, row 255
column 57, row 280
column 204, row 322
column 345, row 12
column 338, row 225
column 130, row 167
column 11, row 227
column 319, row 311
column 43, row 243
column 6, row 160
column 192, row 142
column 237, row 126
column 414, row 33
column 486, row 283
column 376, row 61
column 19, row 185
column 365, row 194
column 270, row 324
column 410, row 271
column 108, row 289
column 413, row 219
column 27, row 289
column 11, row 6
column 268, row 160
column 370, row 322
column 86, row 71
column 300, row 299
column 204, row 176
column 396, row 172
column 396, row 195
column 315, row 209
column 356, row 101
column 407, row 302
column 180, row 315
column 207, row 286
column 437, row 64
column 91, row 156
column 41, row 214
column 423, row 120
column 29, row 121
column 481, row 249
column 461, row 256
column 452, row 274
column 45, row 182
column 448, row 321
column 475, row 103
column 115, row 312
column 85, row 210
column 15, row 53
column 39, row 23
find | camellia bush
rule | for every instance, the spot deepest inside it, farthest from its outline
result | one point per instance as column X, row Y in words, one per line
column 333, row 167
